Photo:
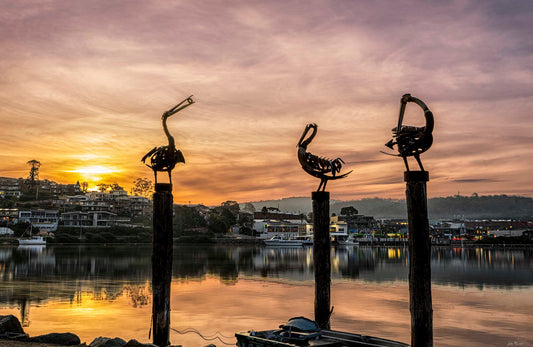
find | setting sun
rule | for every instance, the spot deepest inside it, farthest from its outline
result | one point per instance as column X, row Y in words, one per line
column 94, row 170
column 94, row 173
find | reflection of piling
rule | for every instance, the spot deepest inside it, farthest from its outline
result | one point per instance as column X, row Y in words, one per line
column 321, row 258
column 420, row 303
column 161, row 262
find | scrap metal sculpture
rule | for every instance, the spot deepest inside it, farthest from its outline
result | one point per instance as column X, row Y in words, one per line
column 165, row 158
column 318, row 166
column 411, row 140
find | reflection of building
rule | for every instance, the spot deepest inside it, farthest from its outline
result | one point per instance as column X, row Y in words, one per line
column 78, row 219
column 45, row 220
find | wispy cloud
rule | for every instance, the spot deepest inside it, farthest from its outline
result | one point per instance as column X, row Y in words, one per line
column 84, row 80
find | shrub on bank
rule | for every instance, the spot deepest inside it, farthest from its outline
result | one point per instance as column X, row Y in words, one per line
column 120, row 234
column 115, row 234
column 500, row 240
column 202, row 238
column 64, row 238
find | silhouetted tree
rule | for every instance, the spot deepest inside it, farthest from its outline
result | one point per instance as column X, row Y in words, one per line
column 103, row 187
column 349, row 211
column 34, row 170
column 114, row 187
column 218, row 224
column 143, row 187
column 249, row 207
column 187, row 218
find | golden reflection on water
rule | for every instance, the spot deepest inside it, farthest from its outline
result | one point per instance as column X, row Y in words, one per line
column 488, row 317
column 481, row 297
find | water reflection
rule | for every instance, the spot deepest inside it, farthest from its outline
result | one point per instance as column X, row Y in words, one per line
column 42, row 273
column 228, row 285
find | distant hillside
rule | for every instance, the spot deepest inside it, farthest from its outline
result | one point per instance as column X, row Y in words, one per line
column 466, row 207
column 293, row 205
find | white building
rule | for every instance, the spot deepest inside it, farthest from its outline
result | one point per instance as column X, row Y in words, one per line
column 6, row 231
column 338, row 228
column 96, row 219
column 45, row 220
column 9, row 187
column 275, row 223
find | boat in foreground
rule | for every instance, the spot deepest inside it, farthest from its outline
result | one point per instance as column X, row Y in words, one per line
column 279, row 241
column 300, row 331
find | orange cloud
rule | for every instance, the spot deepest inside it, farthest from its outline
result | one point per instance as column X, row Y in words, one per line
column 85, row 85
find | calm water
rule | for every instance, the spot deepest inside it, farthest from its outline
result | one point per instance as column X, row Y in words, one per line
column 481, row 297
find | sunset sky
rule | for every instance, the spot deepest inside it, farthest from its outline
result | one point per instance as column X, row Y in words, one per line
column 83, row 85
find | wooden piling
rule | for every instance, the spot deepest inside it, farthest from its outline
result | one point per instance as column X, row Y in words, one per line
column 420, row 303
column 321, row 258
column 161, row 262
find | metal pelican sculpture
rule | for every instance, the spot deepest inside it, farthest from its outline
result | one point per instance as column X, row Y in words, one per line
column 165, row 158
column 323, row 168
column 411, row 140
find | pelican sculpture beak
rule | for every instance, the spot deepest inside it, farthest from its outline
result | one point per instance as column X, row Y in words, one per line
column 179, row 107
column 304, row 134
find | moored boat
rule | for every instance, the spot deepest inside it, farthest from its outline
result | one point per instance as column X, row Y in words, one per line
column 307, row 240
column 32, row 240
column 279, row 241
column 349, row 241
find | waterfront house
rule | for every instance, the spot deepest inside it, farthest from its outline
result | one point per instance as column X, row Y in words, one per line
column 45, row 220
column 274, row 223
column 9, row 187
column 9, row 215
column 338, row 229
column 6, row 231
column 96, row 219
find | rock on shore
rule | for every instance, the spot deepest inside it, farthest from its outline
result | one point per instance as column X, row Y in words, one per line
column 12, row 334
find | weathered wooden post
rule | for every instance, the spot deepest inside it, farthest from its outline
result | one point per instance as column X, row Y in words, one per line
column 163, row 158
column 412, row 141
column 325, row 169
column 420, row 303
column 322, row 258
column 162, row 262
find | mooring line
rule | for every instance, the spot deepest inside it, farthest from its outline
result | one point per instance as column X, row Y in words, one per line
column 206, row 338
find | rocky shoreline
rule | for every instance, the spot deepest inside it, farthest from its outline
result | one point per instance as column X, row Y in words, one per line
column 12, row 335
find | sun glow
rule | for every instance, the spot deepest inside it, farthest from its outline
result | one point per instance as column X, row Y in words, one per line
column 94, row 174
column 95, row 170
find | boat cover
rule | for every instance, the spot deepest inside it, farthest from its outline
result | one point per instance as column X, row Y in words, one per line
column 300, row 324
